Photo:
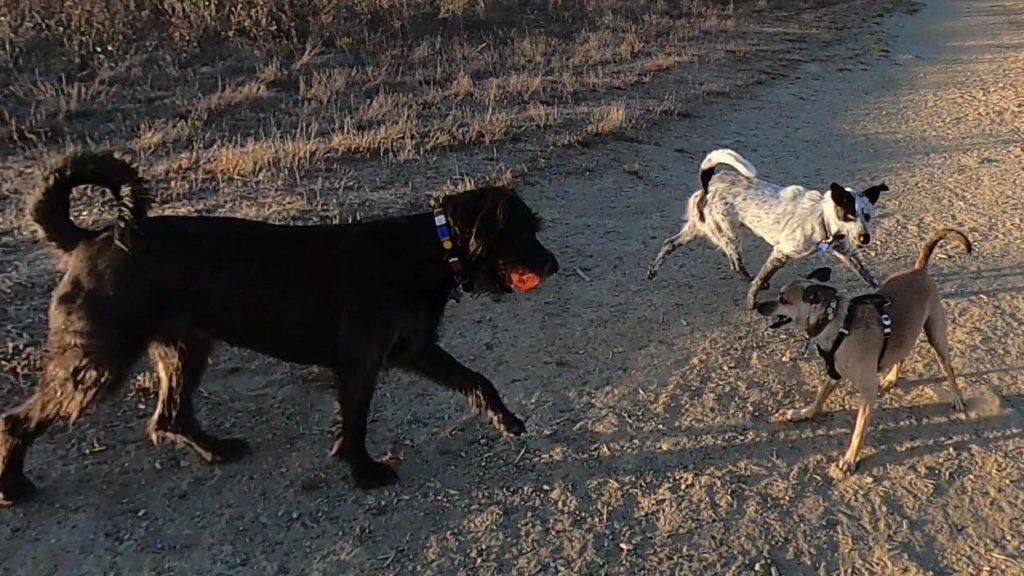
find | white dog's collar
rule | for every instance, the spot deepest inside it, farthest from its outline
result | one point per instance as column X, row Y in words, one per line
column 826, row 244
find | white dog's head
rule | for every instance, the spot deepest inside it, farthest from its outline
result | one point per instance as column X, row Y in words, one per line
column 852, row 211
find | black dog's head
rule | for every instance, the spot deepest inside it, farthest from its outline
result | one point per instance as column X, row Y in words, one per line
column 497, row 232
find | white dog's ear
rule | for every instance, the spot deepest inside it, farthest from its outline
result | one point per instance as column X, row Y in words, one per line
column 823, row 274
column 843, row 200
column 873, row 192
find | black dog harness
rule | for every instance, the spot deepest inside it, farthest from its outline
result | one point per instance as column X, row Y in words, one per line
column 881, row 304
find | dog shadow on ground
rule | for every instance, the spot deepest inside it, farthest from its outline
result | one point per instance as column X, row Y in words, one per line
column 995, row 281
column 744, row 458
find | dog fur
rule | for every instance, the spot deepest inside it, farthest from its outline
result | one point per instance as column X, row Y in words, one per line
column 356, row 299
column 915, row 306
column 796, row 221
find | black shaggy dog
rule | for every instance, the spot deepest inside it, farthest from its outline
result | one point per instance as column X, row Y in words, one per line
column 355, row 298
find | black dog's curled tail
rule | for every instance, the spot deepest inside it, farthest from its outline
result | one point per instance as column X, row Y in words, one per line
column 50, row 209
column 938, row 236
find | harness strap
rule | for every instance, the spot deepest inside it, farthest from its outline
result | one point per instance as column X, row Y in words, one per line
column 881, row 304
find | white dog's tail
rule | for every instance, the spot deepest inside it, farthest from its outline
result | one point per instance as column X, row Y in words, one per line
column 707, row 170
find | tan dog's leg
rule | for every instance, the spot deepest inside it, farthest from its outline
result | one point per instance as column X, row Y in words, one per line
column 848, row 463
column 824, row 391
column 890, row 380
column 935, row 330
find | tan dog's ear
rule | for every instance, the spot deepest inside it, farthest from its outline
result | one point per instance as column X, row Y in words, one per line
column 818, row 294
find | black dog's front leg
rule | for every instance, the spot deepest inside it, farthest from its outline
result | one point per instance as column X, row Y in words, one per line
column 355, row 388
column 439, row 366
column 847, row 255
column 775, row 262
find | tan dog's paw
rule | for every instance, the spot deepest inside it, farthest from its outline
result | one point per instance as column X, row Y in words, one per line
column 843, row 468
column 792, row 414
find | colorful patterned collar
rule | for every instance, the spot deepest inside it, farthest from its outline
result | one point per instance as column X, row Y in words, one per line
column 444, row 234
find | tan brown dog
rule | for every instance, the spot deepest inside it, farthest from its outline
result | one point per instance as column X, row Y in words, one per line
column 862, row 336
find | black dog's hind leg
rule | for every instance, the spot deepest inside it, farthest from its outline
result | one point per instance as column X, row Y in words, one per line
column 439, row 366
column 72, row 378
column 774, row 263
column 356, row 383
column 180, row 364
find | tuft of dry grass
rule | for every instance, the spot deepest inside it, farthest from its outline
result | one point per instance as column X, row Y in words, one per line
column 609, row 119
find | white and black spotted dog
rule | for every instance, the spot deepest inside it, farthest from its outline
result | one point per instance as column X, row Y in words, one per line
column 796, row 221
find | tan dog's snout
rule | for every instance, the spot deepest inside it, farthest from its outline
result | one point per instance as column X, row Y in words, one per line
column 770, row 309
column 796, row 301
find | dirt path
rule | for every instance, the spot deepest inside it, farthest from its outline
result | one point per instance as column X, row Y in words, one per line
column 651, row 447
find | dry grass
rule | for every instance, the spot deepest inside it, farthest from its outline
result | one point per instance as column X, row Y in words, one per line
column 250, row 88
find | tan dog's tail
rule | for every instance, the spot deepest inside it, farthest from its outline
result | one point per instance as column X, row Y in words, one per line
column 933, row 241
column 50, row 209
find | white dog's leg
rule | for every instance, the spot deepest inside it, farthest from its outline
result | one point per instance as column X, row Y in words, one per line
column 848, row 256
column 687, row 234
column 726, row 236
column 774, row 263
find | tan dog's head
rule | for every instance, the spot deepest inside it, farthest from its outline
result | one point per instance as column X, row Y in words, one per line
column 801, row 303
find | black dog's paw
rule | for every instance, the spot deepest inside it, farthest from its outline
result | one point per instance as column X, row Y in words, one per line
column 371, row 474
column 509, row 423
column 225, row 450
column 16, row 490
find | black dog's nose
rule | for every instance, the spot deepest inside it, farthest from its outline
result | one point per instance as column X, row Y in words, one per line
column 865, row 238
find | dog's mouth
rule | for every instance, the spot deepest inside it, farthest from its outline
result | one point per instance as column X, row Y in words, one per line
column 778, row 321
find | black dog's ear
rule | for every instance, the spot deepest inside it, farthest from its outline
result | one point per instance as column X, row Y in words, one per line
column 823, row 274
column 491, row 219
column 476, row 216
column 873, row 192
column 843, row 200
column 818, row 294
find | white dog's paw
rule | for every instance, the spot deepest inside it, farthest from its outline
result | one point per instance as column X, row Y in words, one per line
column 958, row 404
